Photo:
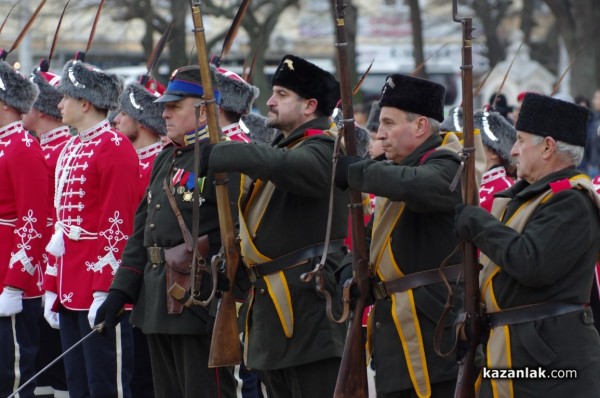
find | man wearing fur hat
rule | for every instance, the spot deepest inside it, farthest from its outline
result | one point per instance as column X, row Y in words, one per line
column 289, row 338
column 498, row 137
column 23, row 214
column 140, row 119
column 45, row 120
column 178, row 336
column 412, row 233
column 237, row 97
column 97, row 181
column 539, row 247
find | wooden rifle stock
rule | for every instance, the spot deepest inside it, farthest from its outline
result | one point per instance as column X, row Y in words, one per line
column 352, row 377
column 225, row 347
column 472, row 317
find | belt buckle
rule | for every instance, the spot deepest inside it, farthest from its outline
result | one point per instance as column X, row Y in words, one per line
column 379, row 291
column 154, row 255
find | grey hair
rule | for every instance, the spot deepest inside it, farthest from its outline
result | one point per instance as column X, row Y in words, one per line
column 434, row 124
column 570, row 153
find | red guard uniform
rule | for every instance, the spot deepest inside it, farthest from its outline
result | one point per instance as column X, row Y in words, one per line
column 493, row 181
column 97, row 187
column 23, row 210
column 146, row 156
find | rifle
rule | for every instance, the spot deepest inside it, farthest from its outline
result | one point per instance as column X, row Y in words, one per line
column 352, row 377
column 225, row 347
column 470, row 321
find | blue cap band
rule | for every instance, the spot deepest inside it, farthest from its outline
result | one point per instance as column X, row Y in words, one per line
column 185, row 87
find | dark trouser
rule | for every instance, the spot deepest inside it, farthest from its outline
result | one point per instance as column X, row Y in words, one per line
column 100, row 367
column 49, row 350
column 248, row 382
column 19, row 341
column 141, row 385
column 444, row 389
column 180, row 368
column 311, row 380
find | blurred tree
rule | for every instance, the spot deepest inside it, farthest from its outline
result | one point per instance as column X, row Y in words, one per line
column 577, row 24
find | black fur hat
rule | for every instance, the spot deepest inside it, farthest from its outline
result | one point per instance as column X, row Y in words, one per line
column 16, row 90
column 415, row 95
column 453, row 122
column 496, row 132
column 550, row 117
column 309, row 81
column 258, row 131
column 236, row 95
column 49, row 98
column 84, row 81
column 139, row 103
column 372, row 123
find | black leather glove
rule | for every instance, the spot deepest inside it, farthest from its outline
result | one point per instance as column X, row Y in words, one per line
column 341, row 171
column 457, row 212
column 205, row 152
column 111, row 310
column 223, row 283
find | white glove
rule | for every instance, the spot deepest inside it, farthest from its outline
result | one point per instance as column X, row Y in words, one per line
column 50, row 316
column 99, row 298
column 11, row 301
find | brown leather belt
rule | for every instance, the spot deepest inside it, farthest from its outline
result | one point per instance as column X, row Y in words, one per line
column 292, row 259
column 156, row 254
column 530, row 313
column 383, row 289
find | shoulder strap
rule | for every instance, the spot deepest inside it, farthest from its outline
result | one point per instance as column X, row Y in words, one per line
column 187, row 236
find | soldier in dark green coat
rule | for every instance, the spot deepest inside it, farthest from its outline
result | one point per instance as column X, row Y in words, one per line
column 539, row 248
column 283, row 218
column 179, row 342
column 412, row 234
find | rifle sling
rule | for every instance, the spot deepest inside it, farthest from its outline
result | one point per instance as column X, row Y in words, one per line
column 292, row 259
column 383, row 289
column 530, row 313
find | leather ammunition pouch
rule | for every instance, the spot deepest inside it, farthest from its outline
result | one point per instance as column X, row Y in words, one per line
column 178, row 265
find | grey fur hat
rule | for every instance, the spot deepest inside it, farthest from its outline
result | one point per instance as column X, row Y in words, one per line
column 139, row 103
column 453, row 122
column 84, row 81
column 16, row 90
column 49, row 98
column 372, row 123
column 236, row 95
column 258, row 130
column 363, row 138
column 496, row 132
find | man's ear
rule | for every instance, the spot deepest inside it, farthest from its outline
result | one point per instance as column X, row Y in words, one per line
column 422, row 126
column 549, row 146
column 311, row 106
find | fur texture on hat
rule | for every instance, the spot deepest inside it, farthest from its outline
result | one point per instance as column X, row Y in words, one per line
column 258, row 131
column 363, row 138
column 138, row 103
column 49, row 97
column 496, row 132
column 16, row 90
column 84, row 81
column 372, row 123
column 454, row 121
column 549, row 117
column 236, row 95
column 308, row 81
column 415, row 95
